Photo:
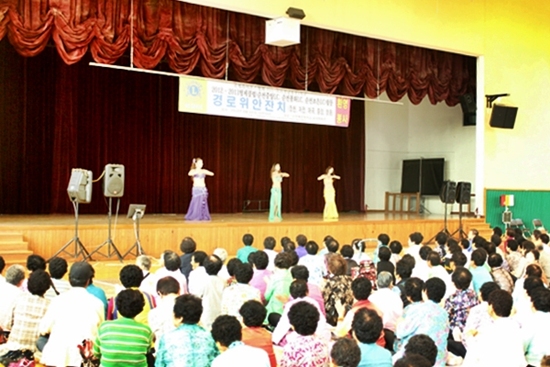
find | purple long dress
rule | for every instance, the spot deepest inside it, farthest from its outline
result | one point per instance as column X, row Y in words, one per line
column 198, row 207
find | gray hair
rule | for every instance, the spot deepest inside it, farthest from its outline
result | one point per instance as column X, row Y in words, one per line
column 384, row 280
column 15, row 274
column 221, row 253
column 144, row 261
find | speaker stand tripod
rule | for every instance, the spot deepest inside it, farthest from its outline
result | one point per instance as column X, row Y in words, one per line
column 460, row 230
column 137, row 245
column 111, row 248
column 79, row 249
column 444, row 229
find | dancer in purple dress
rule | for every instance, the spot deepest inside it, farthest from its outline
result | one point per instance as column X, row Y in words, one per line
column 198, row 207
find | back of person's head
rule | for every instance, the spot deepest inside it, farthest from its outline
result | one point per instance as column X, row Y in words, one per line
column 168, row 285
column 490, row 247
column 213, row 265
column 289, row 246
column 453, row 247
column 2, row 264
column 496, row 239
column 260, row 260
column 413, row 289
column 283, row 260
column 533, row 270
column 530, row 284
column 433, row 258
column 459, row 259
column 528, row 246
column 199, row 257
column 226, row 329
column 479, row 256
column 367, row 325
column 333, row 246
column 303, row 317
column 441, row 238
column 82, row 272
column 384, row 253
column 361, row 288
column 423, row 345
column 58, row 267
column 384, row 279
column 465, row 243
column 501, row 302
column 424, row 251
column 221, row 253
column 244, row 273
column 131, row 276
column 510, row 232
column 39, row 282
column 15, row 275
column 300, row 272
column 545, row 362
column 413, row 360
column 540, row 297
column 435, row 289
column 301, row 240
column 384, row 239
column 312, row 247
column 298, row 289
column 336, row 264
column 294, row 258
column 188, row 245
column 497, row 231
column 451, row 241
column 232, row 265
column 269, row 243
column 495, row 260
column 403, row 269
column 35, row 262
column 345, row 353
column 130, row 303
column 189, row 308
column 462, row 278
column 285, row 240
column 479, row 242
column 486, row 289
column 544, row 238
column 396, row 247
column 172, row 261
column 416, row 238
column 248, row 239
column 346, row 251
column 144, row 262
column 253, row 313
column 512, row 245
column 358, row 245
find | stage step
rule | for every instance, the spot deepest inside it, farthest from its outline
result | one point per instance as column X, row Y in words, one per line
column 13, row 248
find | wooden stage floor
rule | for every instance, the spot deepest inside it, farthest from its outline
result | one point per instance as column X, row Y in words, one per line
column 158, row 232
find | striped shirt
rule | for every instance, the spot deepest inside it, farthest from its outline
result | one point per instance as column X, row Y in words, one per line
column 123, row 342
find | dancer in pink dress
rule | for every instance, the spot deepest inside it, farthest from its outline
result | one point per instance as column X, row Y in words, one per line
column 198, row 207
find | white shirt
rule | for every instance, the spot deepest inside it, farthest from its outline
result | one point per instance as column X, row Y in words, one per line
column 271, row 254
column 197, row 281
column 9, row 294
column 212, row 300
column 414, row 251
column 161, row 318
column 390, row 303
column 315, row 264
column 176, row 274
column 440, row 272
column 72, row 317
column 421, row 270
column 61, row 286
column 497, row 344
column 234, row 296
column 241, row 355
column 535, row 337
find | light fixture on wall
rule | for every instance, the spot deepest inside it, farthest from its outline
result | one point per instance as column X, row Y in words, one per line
column 493, row 97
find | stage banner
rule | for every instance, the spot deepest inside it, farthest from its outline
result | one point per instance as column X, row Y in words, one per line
column 232, row 99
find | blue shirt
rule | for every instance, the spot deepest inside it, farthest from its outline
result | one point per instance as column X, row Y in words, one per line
column 480, row 276
column 243, row 252
column 373, row 355
column 100, row 294
column 188, row 345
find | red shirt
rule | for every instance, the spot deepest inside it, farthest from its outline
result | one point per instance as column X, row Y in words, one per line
column 260, row 338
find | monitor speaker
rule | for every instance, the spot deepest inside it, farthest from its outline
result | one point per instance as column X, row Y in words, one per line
column 113, row 182
column 80, row 186
column 448, row 192
column 503, row 117
column 463, row 192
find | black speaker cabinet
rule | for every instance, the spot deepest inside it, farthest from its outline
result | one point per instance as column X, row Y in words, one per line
column 448, row 192
column 503, row 117
column 463, row 192
column 468, row 104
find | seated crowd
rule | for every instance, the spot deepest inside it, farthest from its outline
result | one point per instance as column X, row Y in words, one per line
column 476, row 302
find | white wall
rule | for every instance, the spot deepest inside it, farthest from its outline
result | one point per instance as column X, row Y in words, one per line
column 397, row 132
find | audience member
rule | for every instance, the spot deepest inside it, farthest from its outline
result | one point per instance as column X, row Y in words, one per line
column 436, row 270
column 10, row 291
column 227, row 332
column 187, row 247
column 269, row 249
column 415, row 242
column 160, row 319
column 515, row 259
column 480, row 274
column 149, row 282
column 502, row 332
column 441, row 241
column 233, row 297
column 304, row 348
column 391, row 305
column 500, row 275
column 300, row 272
column 58, row 268
column 422, row 345
column 197, row 276
column 278, row 288
column 221, row 253
column 536, row 328
column 260, row 261
column 367, row 328
column 396, row 248
column 315, row 264
column 458, row 305
column 301, row 240
column 421, row 269
column 413, row 360
column 384, row 263
column 212, row 296
column 124, row 341
column 347, row 253
column 2, row 266
column 337, row 291
column 171, row 268
column 253, row 314
column 231, row 267
column 479, row 315
column 345, row 353
column 189, row 344
column 71, row 318
column 247, row 249
column 359, row 254
column 383, row 241
column 403, row 271
column 98, row 293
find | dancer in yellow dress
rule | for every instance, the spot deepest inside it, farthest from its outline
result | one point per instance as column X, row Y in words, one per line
column 330, row 212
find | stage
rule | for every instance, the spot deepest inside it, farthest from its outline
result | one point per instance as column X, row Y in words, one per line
column 45, row 234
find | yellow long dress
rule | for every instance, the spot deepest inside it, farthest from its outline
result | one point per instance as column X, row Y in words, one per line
column 330, row 211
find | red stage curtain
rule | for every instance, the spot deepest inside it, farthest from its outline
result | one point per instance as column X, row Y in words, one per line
column 55, row 117
column 199, row 40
